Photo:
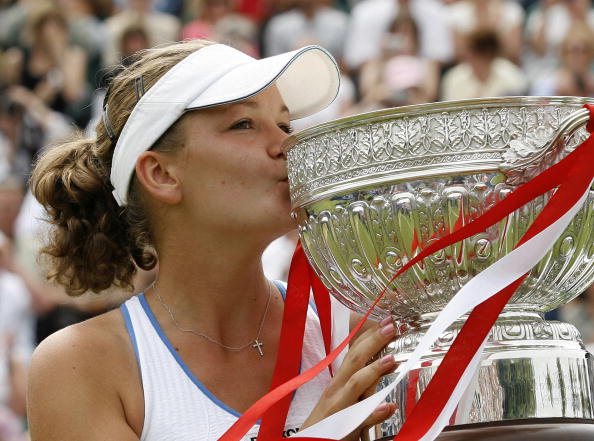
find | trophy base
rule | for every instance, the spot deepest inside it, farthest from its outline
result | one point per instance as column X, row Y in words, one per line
column 532, row 371
column 541, row 429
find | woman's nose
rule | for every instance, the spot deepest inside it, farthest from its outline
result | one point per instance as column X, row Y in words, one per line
column 277, row 141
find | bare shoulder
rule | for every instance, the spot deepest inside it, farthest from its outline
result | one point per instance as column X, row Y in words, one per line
column 77, row 382
column 88, row 347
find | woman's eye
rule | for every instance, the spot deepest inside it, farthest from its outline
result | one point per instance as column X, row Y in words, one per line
column 242, row 125
column 286, row 128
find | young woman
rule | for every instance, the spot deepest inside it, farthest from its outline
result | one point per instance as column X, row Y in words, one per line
column 186, row 170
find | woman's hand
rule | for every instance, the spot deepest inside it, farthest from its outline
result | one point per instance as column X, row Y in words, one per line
column 357, row 378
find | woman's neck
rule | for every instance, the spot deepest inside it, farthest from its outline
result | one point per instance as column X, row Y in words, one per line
column 211, row 285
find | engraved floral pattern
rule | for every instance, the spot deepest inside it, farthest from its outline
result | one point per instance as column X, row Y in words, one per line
column 456, row 140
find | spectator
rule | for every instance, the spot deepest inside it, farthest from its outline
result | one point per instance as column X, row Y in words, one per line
column 11, row 197
column 173, row 7
column 16, row 338
column 26, row 124
column 239, row 33
column 546, row 28
column 87, row 29
column 370, row 19
column 12, row 21
column 160, row 27
column 203, row 26
column 308, row 21
column 400, row 76
column 51, row 67
column 218, row 22
column 574, row 76
column 134, row 38
column 504, row 17
column 15, row 145
column 484, row 73
column 53, row 125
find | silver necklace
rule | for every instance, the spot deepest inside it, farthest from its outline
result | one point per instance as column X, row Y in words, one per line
column 255, row 343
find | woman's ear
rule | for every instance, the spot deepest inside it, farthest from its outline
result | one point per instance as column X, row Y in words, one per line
column 158, row 174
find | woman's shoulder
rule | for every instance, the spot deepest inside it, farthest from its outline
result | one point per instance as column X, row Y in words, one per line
column 100, row 337
column 85, row 370
column 90, row 349
column 85, row 352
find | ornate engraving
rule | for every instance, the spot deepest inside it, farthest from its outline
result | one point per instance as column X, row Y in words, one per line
column 446, row 139
column 361, row 239
column 503, row 333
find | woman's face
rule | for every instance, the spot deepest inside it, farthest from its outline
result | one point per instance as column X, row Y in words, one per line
column 234, row 176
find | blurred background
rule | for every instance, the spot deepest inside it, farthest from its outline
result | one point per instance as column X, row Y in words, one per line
column 56, row 57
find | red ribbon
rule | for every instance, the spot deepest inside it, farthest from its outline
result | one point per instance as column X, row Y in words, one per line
column 572, row 175
column 288, row 359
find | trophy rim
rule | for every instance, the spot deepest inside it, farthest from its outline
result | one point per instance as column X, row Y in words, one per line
column 511, row 164
column 425, row 109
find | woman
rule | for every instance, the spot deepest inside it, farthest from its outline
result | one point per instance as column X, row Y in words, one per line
column 191, row 142
column 400, row 76
column 574, row 75
column 484, row 72
column 52, row 67
column 505, row 18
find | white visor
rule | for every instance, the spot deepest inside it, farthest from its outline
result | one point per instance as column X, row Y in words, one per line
column 307, row 79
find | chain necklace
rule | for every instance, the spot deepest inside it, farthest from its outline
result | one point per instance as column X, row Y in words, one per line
column 255, row 343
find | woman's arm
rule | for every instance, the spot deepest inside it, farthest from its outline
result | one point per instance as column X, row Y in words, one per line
column 72, row 388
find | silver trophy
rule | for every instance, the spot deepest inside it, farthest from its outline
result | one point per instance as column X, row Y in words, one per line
column 370, row 191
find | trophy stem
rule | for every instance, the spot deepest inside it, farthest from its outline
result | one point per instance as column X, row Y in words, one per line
column 532, row 370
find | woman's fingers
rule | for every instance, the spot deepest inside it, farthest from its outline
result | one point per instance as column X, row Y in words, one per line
column 382, row 412
column 368, row 377
column 343, row 395
column 357, row 377
column 366, row 346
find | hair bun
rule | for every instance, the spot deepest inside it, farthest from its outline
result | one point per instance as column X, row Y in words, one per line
column 87, row 247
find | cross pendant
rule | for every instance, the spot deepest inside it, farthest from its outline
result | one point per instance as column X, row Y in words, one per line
column 258, row 346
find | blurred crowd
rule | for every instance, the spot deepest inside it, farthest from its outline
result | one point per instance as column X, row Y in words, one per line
column 56, row 57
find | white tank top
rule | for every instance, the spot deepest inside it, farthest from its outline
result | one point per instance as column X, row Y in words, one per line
column 178, row 407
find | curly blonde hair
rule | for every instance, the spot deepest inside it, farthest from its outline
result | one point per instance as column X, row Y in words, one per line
column 94, row 243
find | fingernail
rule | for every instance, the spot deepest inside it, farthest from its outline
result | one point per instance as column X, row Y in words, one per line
column 388, row 330
column 385, row 322
column 382, row 407
column 387, row 359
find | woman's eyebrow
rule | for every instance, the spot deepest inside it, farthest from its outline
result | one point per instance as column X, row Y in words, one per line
column 255, row 104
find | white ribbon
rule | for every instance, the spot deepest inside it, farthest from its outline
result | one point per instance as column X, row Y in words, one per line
column 480, row 288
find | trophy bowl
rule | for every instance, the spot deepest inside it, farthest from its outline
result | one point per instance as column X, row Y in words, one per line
column 370, row 191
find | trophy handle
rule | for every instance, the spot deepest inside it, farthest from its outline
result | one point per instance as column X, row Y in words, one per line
column 528, row 157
